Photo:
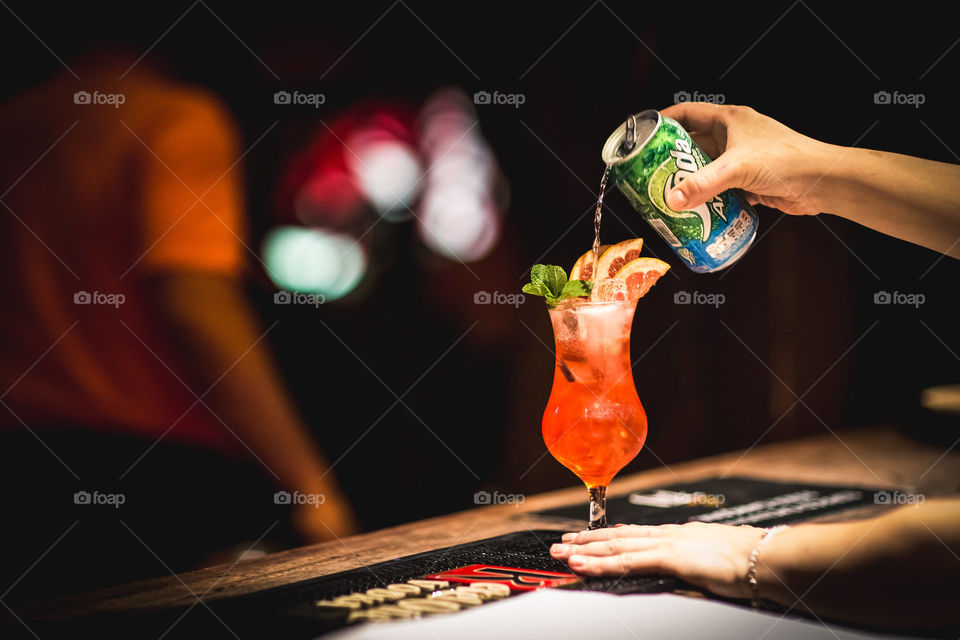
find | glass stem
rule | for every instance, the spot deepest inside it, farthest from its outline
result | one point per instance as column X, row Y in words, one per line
column 598, row 507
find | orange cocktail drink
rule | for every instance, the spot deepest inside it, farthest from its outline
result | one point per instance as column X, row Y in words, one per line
column 594, row 423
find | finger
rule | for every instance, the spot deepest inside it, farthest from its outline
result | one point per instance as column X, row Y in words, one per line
column 696, row 116
column 726, row 172
column 707, row 143
column 595, row 535
column 621, row 564
column 610, row 547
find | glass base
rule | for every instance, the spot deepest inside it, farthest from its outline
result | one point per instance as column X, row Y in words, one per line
column 598, row 507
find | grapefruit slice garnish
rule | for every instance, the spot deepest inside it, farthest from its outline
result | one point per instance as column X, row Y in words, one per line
column 583, row 267
column 640, row 275
column 613, row 259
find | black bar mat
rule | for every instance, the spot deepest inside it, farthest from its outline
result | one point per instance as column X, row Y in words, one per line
column 289, row 611
column 731, row 500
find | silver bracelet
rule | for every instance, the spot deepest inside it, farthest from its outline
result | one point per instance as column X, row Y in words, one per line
column 755, row 558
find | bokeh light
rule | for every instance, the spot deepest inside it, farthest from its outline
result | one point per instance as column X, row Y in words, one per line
column 458, row 217
column 314, row 261
column 458, row 223
column 387, row 170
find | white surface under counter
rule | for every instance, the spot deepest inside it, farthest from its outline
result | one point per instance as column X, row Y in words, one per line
column 559, row 614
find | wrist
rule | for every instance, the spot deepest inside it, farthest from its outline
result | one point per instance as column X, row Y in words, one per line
column 823, row 174
column 758, row 574
column 749, row 538
column 838, row 175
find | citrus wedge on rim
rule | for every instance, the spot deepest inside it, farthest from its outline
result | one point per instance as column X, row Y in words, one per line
column 640, row 275
column 613, row 259
column 583, row 267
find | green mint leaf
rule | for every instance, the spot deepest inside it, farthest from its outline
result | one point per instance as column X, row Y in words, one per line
column 536, row 289
column 555, row 277
column 550, row 281
column 576, row 289
column 539, row 273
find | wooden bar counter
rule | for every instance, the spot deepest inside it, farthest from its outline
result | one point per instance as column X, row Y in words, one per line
column 875, row 457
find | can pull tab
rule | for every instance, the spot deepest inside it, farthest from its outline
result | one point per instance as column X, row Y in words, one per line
column 630, row 139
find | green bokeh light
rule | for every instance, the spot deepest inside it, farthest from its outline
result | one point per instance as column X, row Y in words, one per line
column 314, row 261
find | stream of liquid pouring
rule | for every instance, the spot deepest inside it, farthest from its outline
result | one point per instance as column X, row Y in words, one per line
column 596, row 220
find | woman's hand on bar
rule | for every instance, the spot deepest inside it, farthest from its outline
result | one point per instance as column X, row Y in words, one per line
column 901, row 569
column 712, row 556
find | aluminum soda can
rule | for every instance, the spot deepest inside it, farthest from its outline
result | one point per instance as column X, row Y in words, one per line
column 707, row 238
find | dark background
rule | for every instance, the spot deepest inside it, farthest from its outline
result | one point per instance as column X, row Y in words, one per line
column 711, row 380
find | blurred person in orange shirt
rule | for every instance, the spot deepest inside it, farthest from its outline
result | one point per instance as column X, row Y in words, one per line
column 132, row 359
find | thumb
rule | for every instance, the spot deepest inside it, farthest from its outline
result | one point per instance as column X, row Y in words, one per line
column 726, row 172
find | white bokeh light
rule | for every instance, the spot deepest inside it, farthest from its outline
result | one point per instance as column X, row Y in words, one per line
column 388, row 171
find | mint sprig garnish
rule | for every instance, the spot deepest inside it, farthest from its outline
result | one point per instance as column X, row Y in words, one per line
column 550, row 281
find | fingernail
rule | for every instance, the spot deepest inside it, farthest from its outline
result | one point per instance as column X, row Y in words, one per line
column 577, row 559
column 557, row 548
column 568, row 537
column 678, row 198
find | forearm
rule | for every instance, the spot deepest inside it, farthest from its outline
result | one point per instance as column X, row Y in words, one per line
column 223, row 349
column 909, row 198
column 901, row 569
